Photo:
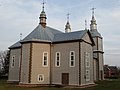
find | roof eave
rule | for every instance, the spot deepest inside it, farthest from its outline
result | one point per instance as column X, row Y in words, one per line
column 66, row 41
column 40, row 41
column 97, row 51
column 14, row 47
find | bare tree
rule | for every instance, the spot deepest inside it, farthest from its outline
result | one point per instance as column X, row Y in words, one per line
column 4, row 61
column 2, row 56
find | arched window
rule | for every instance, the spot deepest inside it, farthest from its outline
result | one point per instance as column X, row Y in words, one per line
column 45, row 59
column 40, row 77
column 13, row 61
column 87, row 59
column 72, row 59
column 57, row 59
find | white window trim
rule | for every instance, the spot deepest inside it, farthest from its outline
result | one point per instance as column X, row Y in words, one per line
column 72, row 60
column 42, row 77
column 12, row 61
column 87, row 59
column 57, row 60
column 19, row 61
column 88, row 77
column 46, row 60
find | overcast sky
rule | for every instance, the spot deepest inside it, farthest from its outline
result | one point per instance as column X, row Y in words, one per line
column 22, row 16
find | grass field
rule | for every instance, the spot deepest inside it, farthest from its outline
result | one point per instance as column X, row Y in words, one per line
column 113, row 84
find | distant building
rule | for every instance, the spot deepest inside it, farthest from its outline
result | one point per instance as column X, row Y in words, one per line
column 48, row 56
column 111, row 71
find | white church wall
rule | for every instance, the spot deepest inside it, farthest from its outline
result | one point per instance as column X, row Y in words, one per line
column 85, row 47
column 14, row 69
column 65, row 49
column 37, row 64
column 25, row 63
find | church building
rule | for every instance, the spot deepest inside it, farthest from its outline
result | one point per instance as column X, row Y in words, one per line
column 48, row 56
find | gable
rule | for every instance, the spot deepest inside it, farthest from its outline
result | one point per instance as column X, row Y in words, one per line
column 87, row 38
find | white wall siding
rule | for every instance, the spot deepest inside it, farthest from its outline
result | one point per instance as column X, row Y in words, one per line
column 14, row 71
column 64, row 63
column 85, row 47
column 25, row 63
column 37, row 63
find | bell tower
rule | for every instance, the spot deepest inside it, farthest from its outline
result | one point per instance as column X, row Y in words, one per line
column 97, row 49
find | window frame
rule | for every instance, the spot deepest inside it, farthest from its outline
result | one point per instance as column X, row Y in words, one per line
column 56, row 59
column 87, row 60
column 13, row 61
column 70, row 61
column 19, row 61
column 87, row 75
column 43, row 64
column 41, row 77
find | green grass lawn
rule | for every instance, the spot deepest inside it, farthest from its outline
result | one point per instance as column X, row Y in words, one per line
column 113, row 84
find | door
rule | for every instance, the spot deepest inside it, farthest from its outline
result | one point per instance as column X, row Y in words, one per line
column 65, row 78
column 101, row 74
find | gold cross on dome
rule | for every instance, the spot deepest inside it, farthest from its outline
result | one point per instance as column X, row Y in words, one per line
column 68, row 16
column 93, row 11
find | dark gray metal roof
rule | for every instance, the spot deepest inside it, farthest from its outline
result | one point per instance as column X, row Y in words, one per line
column 69, row 36
column 95, row 33
column 50, row 35
column 16, row 45
column 43, row 34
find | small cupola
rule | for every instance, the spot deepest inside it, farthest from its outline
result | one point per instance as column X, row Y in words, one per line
column 67, row 26
column 93, row 25
column 43, row 16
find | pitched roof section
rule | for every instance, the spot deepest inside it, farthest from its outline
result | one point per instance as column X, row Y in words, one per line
column 41, row 34
column 16, row 45
column 50, row 35
column 69, row 36
column 95, row 33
